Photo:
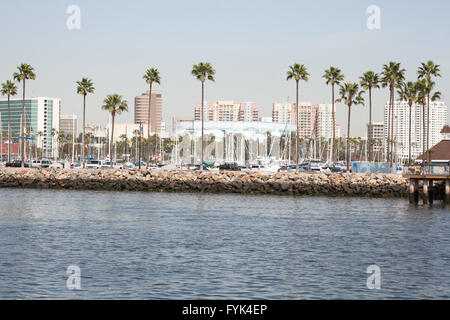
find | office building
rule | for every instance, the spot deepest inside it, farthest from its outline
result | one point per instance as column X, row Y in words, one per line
column 41, row 119
column 68, row 124
column 141, row 110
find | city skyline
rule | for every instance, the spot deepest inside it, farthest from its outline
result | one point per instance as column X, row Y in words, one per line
column 257, row 75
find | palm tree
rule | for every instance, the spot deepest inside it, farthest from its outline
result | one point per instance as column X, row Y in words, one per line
column 40, row 134
column 203, row 71
column 408, row 92
column 392, row 76
column 427, row 71
column 26, row 72
column 421, row 87
column 85, row 86
column 297, row 72
column 54, row 133
column 370, row 80
column 151, row 76
column 334, row 77
column 9, row 89
column 350, row 95
column 114, row 104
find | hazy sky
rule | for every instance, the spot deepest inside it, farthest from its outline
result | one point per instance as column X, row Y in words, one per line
column 250, row 43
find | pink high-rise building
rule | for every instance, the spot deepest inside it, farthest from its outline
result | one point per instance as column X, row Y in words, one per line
column 227, row 111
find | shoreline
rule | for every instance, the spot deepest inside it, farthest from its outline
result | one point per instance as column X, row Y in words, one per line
column 215, row 182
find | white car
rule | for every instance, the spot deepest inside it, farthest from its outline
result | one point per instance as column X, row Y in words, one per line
column 107, row 165
column 129, row 165
column 41, row 163
column 94, row 164
column 258, row 168
column 57, row 165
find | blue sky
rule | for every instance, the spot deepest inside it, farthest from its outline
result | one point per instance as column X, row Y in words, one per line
column 250, row 44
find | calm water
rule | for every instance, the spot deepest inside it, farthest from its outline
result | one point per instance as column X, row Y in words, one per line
column 192, row 246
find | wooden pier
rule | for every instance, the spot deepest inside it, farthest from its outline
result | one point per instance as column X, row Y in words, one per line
column 429, row 191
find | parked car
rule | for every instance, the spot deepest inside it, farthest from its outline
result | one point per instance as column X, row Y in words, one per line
column 258, row 168
column 230, row 167
column 57, row 165
column 94, row 164
column 129, row 165
column 42, row 163
column 17, row 164
column 107, row 165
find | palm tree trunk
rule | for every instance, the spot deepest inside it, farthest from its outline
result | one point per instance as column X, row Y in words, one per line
column 333, row 117
column 428, row 133
column 84, row 129
column 23, row 127
column 389, row 126
column 423, row 135
column 112, row 139
column 392, row 128
column 203, row 120
column 348, row 139
column 409, row 144
column 370, row 123
column 298, row 130
column 149, row 123
column 9, row 129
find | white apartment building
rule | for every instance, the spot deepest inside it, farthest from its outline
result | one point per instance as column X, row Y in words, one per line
column 438, row 119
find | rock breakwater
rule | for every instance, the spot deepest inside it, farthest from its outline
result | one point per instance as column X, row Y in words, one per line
column 346, row 184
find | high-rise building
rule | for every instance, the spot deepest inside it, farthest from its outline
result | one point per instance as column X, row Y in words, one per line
column 375, row 133
column 248, row 111
column 282, row 112
column 141, row 110
column 68, row 124
column 41, row 116
column 227, row 111
column 438, row 118
column 314, row 120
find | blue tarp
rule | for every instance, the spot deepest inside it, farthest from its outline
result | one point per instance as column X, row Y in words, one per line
column 371, row 167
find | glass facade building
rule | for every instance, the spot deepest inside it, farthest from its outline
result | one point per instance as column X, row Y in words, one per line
column 41, row 116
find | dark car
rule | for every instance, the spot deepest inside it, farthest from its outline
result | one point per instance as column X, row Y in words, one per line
column 230, row 167
column 17, row 164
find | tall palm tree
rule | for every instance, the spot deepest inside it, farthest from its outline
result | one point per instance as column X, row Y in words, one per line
column 26, row 72
column 408, row 92
column 350, row 95
column 151, row 76
column 85, row 86
column 54, row 133
column 334, row 77
column 392, row 76
column 370, row 80
column 298, row 72
column 203, row 71
column 9, row 89
column 421, row 87
column 40, row 134
column 115, row 105
column 427, row 71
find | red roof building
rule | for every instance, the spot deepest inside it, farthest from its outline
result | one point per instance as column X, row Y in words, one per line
column 441, row 151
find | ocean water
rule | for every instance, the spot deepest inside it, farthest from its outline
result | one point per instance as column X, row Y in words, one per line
column 200, row 246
